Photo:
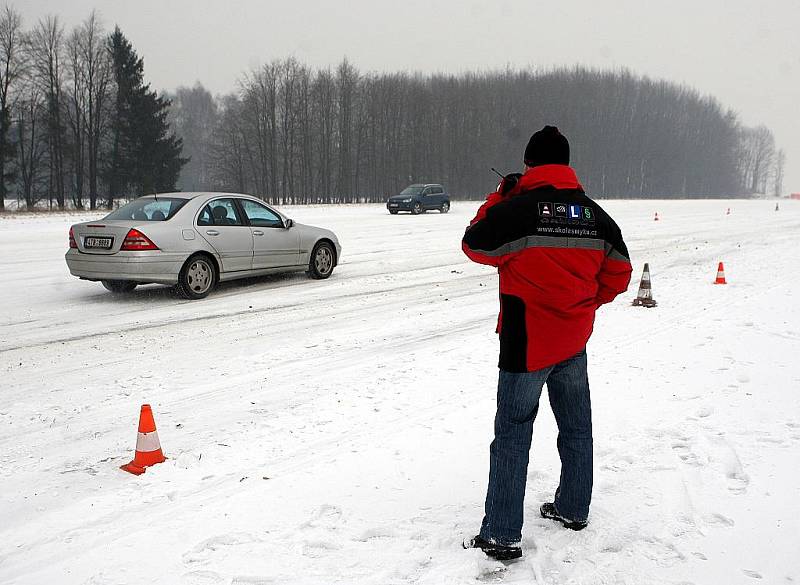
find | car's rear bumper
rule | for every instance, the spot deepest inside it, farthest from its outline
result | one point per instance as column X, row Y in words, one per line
column 156, row 266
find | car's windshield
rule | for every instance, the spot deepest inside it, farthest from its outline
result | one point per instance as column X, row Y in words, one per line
column 412, row 190
column 149, row 209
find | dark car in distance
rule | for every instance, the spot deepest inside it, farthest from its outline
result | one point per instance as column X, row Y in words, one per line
column 419, row 198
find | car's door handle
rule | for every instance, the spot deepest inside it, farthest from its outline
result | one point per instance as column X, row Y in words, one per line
column 212, row 232
column 258, row 233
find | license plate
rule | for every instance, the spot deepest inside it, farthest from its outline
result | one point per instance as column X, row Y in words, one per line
column 98, row 243
column 393, row 205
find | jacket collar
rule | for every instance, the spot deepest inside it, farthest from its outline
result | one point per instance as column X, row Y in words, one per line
column 558, row 176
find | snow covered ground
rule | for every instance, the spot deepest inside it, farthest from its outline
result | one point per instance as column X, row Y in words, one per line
column 323, row 432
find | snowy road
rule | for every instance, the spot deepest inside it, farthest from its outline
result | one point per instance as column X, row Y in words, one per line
column 337, row 431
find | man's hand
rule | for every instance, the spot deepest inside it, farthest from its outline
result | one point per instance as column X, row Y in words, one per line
column 508, row 183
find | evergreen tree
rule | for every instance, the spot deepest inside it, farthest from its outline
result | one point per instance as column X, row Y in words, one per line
column 145, row 155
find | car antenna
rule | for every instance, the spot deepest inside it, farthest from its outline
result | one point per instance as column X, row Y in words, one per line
column 499, row 174
column 155, row 195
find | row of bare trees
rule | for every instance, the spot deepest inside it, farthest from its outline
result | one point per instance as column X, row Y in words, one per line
column 63, row 95
column 294, row 134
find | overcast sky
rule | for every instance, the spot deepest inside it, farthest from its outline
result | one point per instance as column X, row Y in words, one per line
column 744, row 52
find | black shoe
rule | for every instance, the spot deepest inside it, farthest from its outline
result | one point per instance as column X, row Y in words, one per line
column 548, row 510
column 501, row 552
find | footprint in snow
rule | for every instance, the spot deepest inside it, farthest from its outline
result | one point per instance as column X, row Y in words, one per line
column 752, row 574
column 685, row 454
column 324, row 516
column 250, row 580
column 203, row 578
column 728, row 459
column 704, row 412
column 717, row 518
column 202, row 551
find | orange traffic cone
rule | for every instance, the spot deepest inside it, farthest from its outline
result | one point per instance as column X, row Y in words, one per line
column 645, row 296
column 720, row 275
column 148, row 447
column 656, row 217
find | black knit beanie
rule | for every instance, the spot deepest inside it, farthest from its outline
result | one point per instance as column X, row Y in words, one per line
column 547, row 147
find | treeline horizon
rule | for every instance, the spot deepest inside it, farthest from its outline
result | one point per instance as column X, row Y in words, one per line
column 293, row 134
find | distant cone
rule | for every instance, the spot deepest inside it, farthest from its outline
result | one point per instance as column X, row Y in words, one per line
column 148, row 447
column 720, row 275
column 645, row 296
column 777, row 207
column 728, row 212
column 656, row 217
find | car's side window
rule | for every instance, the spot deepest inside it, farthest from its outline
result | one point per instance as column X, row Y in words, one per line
column 223, row 212
column 427, row 191
column 259, row 215
column 205, row 217
column 438, row 190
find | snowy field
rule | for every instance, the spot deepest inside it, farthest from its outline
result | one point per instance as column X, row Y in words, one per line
column 337, row 432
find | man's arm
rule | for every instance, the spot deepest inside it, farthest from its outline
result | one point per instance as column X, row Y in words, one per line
column 486, row 235
column 615, row 272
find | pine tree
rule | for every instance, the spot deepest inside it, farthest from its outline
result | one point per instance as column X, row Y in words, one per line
column 145, row 155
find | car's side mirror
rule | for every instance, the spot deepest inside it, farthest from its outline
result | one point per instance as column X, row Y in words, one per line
column 289, row 223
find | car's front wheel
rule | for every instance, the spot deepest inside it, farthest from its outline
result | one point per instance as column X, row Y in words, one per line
column 416, row 209
column 445, row 207
column 197, row 278
column 323, row 259
column 119, row 287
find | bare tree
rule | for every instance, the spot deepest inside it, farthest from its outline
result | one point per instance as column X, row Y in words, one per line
column 347, row 85
column 76, row 108
column 11, row 67
column 757, row 157
column 31, row 111
column 227, row 153
column 194, row 115
column 96, row 72
column 778, row 173
column 45, row 48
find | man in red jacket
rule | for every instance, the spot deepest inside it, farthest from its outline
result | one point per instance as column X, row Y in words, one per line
column 560, row 257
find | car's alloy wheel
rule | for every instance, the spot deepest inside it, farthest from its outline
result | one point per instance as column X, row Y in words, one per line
column 322, row 260
column 445, row 207
column 197, row 278
column 119, row 287
column 417, row 208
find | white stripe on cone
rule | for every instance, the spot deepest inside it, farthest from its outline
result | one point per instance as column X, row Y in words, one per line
column 147, row 442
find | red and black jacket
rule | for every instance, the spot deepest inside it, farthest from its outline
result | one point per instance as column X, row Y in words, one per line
column 559, row 255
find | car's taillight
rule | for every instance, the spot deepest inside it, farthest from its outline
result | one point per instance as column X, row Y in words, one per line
column 72, row 242
column 136, row 240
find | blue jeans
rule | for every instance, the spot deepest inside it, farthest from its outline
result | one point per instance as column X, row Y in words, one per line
column 517, row 404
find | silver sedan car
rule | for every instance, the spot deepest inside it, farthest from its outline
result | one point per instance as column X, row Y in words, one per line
column 195, row 240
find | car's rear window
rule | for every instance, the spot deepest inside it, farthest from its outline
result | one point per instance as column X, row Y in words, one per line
column 149, row 209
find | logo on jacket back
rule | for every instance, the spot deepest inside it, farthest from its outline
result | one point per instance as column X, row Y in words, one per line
column 588, row 215
column 575, row 212
column 560, row 210
column 545, row 209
